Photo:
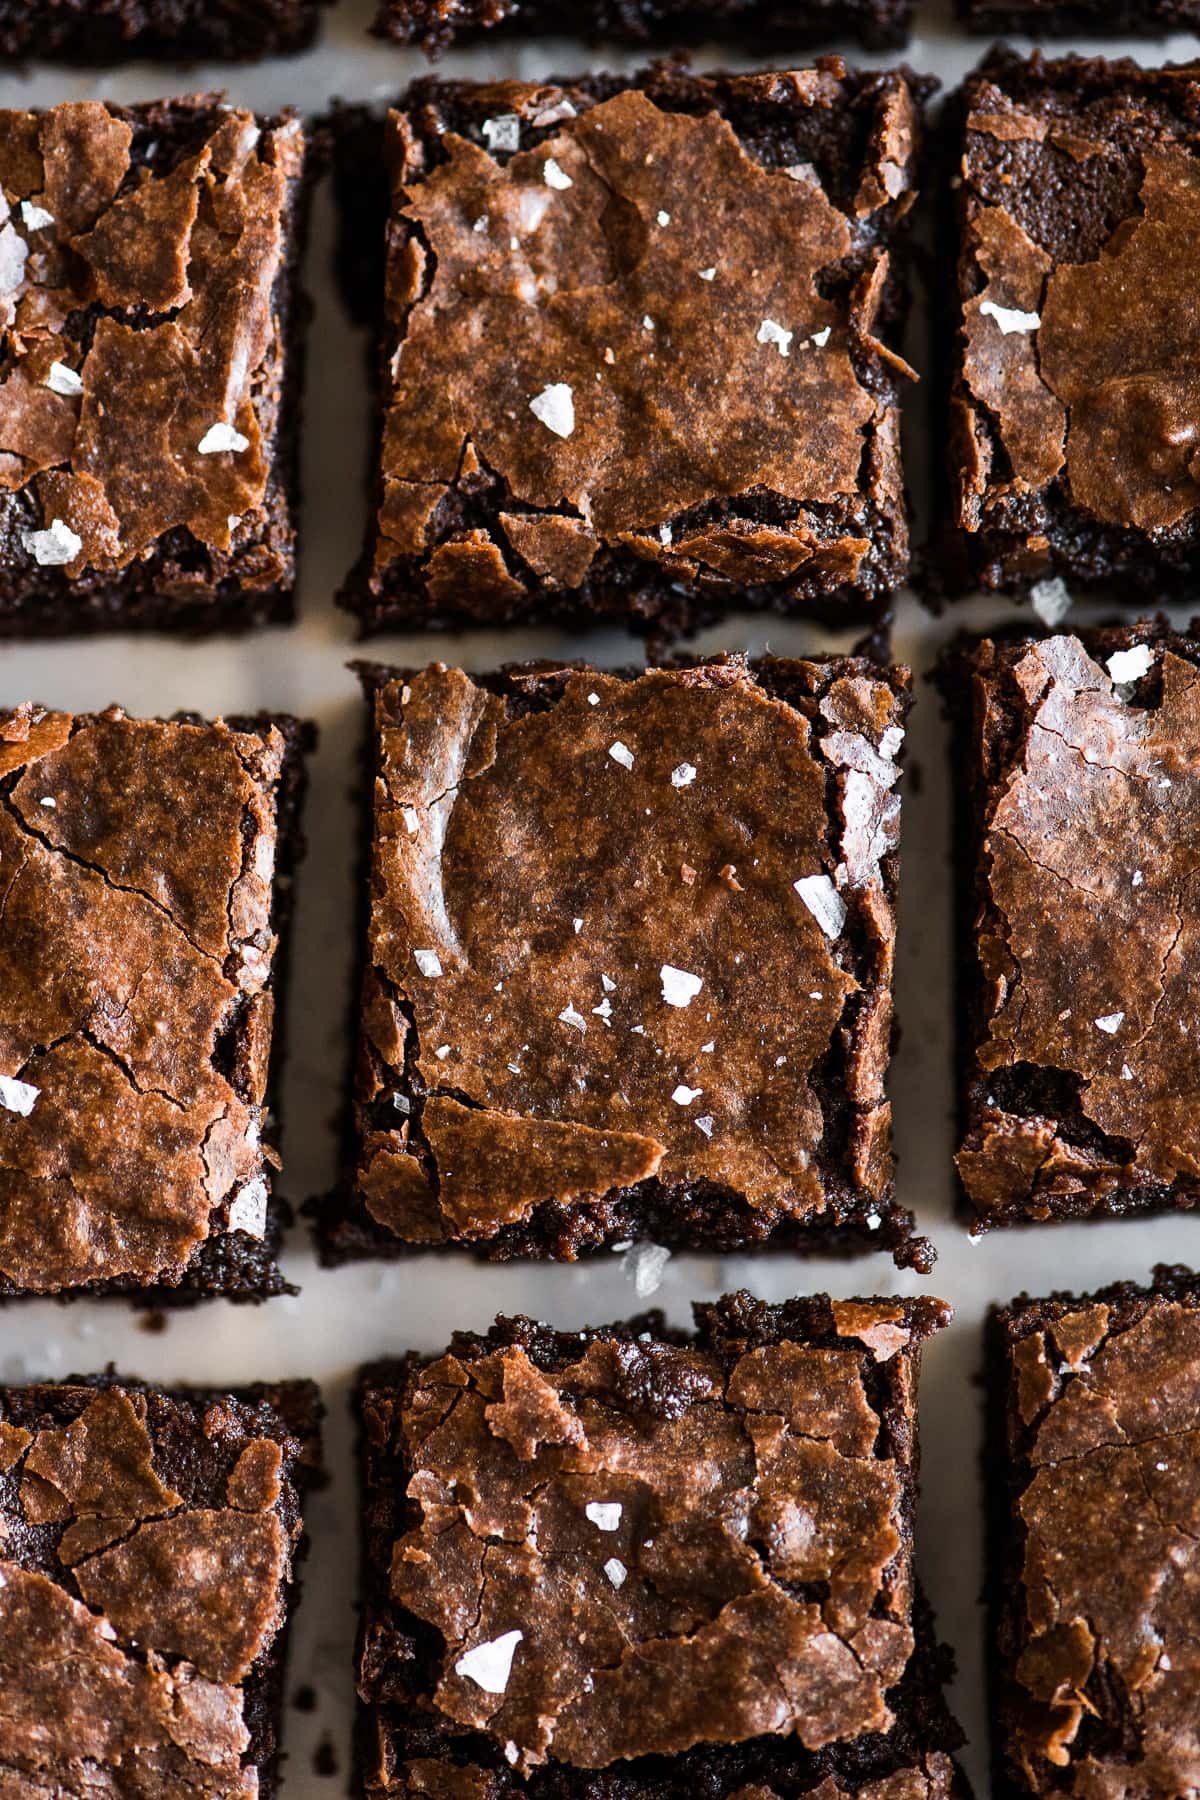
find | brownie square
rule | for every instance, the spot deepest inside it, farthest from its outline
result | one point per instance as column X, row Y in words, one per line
column 97, row 31
column 754, row 25
column 638, row 355
column 145, row 870
column 1094, row 1491
column 628, row 963
column 1050, row 18
column 150, row 366
column 149, row 1544
column 631, row 1562
column 1073, row 415
column 1080, row 1012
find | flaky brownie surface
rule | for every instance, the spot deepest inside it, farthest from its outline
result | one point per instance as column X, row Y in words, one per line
column 628, row 967
column 1081, row 1010
column 597, row 1551
column 146, row 327
column 632, row 360
column 1072, row 441
column 147, row 1567
column 1094, row 1482
column 137, row 994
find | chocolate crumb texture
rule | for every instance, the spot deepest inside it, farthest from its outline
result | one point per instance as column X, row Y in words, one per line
column 778, row 25
column 627, row 1556
column 1094, row 1485
column 150, row 365
column 638, row 347
column 1071, row 431
column 144, row 870
column 1080, row 1015
column 149, row 1544
column 628, row 961
column 103, row 31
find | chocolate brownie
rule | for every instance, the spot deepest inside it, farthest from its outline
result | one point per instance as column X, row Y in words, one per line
column 144, row 875
column 94, row 31
column 1094, row 1566
column 1080, row 1017
column 150, row 366
column 1073, row 413
column 1063, row 18
column 765, row 24
column 628, row 965
column 638, row 353
column 148, row 1551
column 626, row 1562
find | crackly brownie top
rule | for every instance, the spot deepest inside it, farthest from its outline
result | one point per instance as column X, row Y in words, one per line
column 629, row 1547
column 145, row 1550
column 136, row 860
column 139, row 356
column 617, row 926
column 1080, row 188
column 1088, row 936
column 1106, row 1396
column 627, row 321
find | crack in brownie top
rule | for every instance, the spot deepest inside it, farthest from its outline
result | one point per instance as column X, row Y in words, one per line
column 1081, row 325
column 641, row 1547
column 618, row 927
column 132, row 1615
column 1088, row 935
column 140, row 358
column 1107, row 1658
column 640, row 339
column 136, row 951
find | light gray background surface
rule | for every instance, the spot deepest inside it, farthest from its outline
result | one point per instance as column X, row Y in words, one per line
column 344, row 1317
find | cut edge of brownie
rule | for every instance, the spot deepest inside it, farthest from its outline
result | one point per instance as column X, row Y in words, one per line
column 296, row 1410
column 1048, row 18
column 1006, row 1475
column 218, row 33
column 729, row 1326
column 956, row 670
column 646, row 601
column 346, row 1233
column 232, row 1265
column 52, row 604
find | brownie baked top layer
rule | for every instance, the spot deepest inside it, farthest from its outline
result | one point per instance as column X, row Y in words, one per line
column 620, row 1544
column 1099, row 1658
column 1078, row 281
column 146, row 1550
column 137, row 961
column 1083, row 852
column 629, row 953
column 142, row 354
column 631, row 343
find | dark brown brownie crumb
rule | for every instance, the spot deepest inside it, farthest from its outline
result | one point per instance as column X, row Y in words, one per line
column 102, row 31
column 150, row 366
column 149, row 1544
column 145, row 870
column 1088, row 18
column 649, row 407
column 754, row 25
column 597, row 1620
column 628, row 971
column 1071, row 431
column 1078, row 1016
column 1093, row 1480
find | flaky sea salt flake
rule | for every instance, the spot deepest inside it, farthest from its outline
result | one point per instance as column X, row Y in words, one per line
column 1010, row 318
column 823, row 902
column 554, row 408
column 683, row 774
column 569, row 1016
column 54, row 547
column 429, row 962
column 616, row 1571
column 555, row 176
column 490, row 1665
column 17, row 1096
column 684, row 1095
column 646, row 1263
column 63, row 380
column 704, row 1123
column 621, row 753
column 1110, row 1023
column 769, row 332
column 604, row 1514
column 1050, row 600
column 679, row 987
column 502, row 133
column 1130, row 665
column 221, row 437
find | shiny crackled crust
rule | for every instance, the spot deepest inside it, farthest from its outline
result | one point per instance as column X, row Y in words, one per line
column 553, row 849
column 96, row 31
column 630, row 1501
column 149, row 365
column 1094, row 1487
column 140, row 868
column 780, row 24
column 148, row 1544
column 743, row 443
column 1079, row 1011
column 1072, row 412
